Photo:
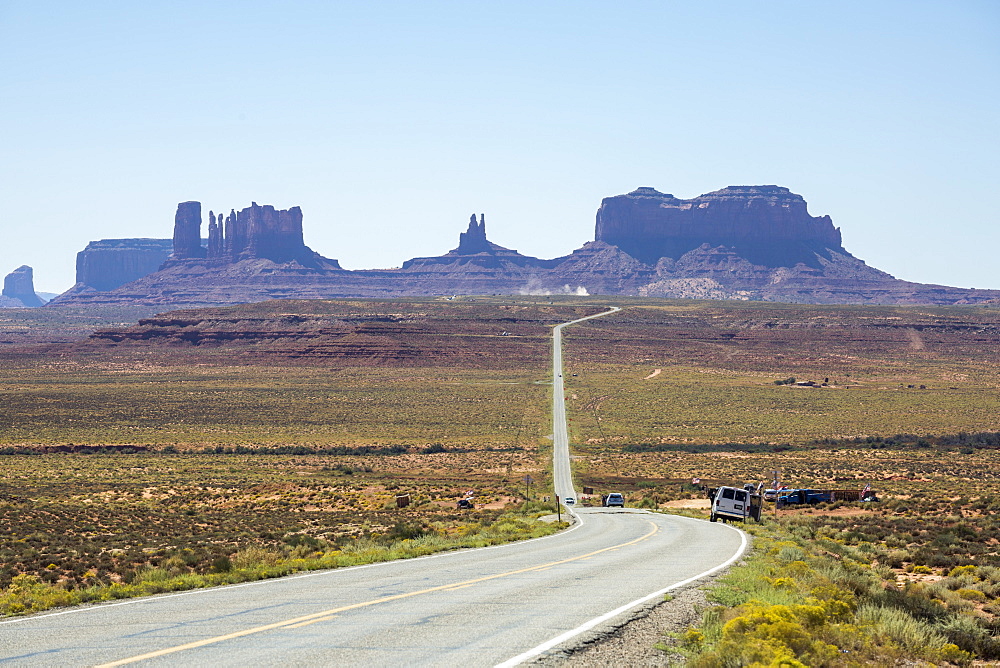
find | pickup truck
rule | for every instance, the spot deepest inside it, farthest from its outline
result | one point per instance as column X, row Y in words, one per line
column 795, row 496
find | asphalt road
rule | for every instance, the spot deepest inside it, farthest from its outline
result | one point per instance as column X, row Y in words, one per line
column 562, row 475
column 492, row 606
column 474, row 607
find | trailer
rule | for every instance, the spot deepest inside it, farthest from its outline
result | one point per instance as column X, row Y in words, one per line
column 787, row 497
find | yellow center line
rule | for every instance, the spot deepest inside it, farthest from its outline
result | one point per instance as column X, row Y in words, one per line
column 320, row 616
column 311, row 621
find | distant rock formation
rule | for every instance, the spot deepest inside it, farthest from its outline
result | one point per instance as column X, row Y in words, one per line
column 767, row 225
column 741, row 242
column 256, row 232
column 474, row 252
column 19, row 286
column 746, row 243
column 109, row 263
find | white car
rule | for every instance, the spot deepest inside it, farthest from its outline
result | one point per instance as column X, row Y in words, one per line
column 614, row 499
column 569, row 500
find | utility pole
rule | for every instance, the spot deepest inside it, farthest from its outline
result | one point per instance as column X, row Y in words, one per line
column 776, row 474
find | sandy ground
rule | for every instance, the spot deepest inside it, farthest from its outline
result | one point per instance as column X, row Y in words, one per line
column 704, row 504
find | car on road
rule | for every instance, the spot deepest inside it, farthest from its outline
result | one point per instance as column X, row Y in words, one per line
column 614, row 499
column 569, row 500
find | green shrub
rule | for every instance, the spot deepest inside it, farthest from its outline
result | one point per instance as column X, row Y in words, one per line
column 900, row 627
column 254, row 558
column 222, row 565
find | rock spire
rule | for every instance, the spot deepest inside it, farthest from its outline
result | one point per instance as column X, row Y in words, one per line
column 187, row 231
column 474, row 239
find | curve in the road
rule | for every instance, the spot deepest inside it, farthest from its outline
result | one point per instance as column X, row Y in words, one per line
column 600, row 619
column 469, row 607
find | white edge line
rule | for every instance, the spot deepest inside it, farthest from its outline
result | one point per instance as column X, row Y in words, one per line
column 101, row 605
column 558, row 640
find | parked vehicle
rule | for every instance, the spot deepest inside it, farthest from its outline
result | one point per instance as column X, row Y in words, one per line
column 614, row 499
column 465, row 504
column 733, row 503
column 794, row 496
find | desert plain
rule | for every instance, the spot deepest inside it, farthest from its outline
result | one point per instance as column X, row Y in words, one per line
column 146, row 453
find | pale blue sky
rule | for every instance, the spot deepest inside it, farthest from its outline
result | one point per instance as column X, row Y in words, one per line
column 390, row 122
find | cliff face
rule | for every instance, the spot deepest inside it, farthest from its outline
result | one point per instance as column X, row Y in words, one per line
column 19, row 285
column 109, row 263
column 767, row 225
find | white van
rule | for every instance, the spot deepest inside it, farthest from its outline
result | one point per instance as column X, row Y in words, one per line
column 733, row 503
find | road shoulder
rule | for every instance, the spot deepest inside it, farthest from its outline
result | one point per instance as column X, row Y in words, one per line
column 631, row 640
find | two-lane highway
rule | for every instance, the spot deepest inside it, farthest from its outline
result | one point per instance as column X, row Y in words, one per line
column 475, row 607
column 562, row 474
column 490, row 606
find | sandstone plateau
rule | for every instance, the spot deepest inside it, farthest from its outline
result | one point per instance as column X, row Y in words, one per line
column 741, row 242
